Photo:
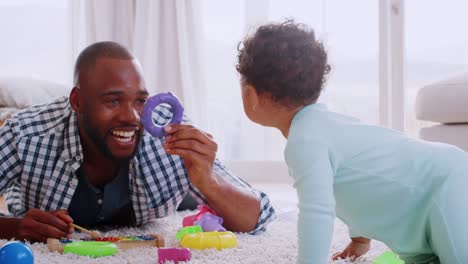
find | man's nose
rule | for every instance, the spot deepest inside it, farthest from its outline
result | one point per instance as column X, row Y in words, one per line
column 130, row 114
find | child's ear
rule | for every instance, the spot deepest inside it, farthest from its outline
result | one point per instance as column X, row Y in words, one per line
column 253, row 97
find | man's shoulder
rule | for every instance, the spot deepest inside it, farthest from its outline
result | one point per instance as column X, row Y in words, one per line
column 42, row 119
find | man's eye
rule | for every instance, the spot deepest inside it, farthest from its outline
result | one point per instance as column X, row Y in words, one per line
column 113, row 101
column 141, row 101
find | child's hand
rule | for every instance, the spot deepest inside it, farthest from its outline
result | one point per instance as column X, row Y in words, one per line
column 356, row 248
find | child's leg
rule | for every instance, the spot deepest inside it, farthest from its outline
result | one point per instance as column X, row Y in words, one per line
column 448, row 231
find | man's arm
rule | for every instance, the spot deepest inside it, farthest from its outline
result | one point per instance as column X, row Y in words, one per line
column 37, row 225
column 10, row 165
column 239, row 207
column 242, row 208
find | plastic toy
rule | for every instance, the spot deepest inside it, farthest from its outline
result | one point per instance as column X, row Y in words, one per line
column 204, row 240
column 93, row 234
column 92, row 249
column 174, row 254
column 209, row 223
column 16, row 252
column 191, row 219
column 123, row 243
column 188, row 230
column 151, row 104
column 388, row 258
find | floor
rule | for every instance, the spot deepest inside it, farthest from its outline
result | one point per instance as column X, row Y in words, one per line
column 284, row 199
column 282, row 195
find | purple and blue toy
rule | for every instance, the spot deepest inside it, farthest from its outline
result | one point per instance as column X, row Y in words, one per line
column 152, row 103
column 16, row 252
column 190, row 220
column 211, row 223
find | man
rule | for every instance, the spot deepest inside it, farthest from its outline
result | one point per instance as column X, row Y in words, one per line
column 86, row 159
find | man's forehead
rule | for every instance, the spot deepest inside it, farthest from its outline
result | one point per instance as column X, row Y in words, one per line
column 111, row 73
column 122, row 91
column 105, row 68
column 108, row 62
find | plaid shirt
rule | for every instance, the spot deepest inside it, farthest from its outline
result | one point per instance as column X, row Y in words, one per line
column 41, row 153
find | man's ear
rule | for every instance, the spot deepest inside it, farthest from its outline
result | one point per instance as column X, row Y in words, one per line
column 75, row 100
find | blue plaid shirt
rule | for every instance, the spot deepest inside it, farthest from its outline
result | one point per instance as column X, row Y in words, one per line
column 41, row 153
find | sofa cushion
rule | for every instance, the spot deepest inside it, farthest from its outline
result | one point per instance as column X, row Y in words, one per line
column 450, row 134
column 21, row 92
column 444, row 102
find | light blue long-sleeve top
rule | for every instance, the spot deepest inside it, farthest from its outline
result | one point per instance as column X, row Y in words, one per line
column 378, row 181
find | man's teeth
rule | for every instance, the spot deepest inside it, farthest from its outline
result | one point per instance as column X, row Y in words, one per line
column 124, row 134
column 125, row 139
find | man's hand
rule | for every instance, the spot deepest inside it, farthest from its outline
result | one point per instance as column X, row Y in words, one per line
column 356, row 248
column 197, row 149
column 239, row 207
column 38, row 225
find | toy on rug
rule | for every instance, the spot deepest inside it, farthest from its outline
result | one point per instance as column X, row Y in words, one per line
column 188, row 230
column 93, row 234
column 204, row 240
column 94, row 249
column 210, row 223
column 173, row 254
column 388, row 258
column 104, row 246
column 191, row 219
column 147, row 113
column 214, row 235
column 16, row 252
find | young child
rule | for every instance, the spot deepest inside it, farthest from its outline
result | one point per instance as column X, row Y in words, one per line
column 410, row 194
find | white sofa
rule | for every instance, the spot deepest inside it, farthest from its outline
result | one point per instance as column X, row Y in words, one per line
column 21, row 92
column 445, row 103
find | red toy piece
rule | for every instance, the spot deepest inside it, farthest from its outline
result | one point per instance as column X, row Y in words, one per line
column 191, row 219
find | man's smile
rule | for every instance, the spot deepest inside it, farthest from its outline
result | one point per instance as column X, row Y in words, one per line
column 123, row 136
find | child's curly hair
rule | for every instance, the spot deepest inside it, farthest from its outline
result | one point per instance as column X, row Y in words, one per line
column 284, row 60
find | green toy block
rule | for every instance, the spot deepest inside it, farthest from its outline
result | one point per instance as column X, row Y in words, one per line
column 388, row 258
column 188, row 230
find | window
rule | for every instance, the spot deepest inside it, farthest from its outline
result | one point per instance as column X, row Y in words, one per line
column 349, row 30
column 36, row 39
column 436, row 47
column 350, row 34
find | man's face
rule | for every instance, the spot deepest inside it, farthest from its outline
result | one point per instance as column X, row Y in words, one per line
column 112, row 95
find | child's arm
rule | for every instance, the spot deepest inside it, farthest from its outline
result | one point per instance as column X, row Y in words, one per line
column 310, row 166
column 356, row 248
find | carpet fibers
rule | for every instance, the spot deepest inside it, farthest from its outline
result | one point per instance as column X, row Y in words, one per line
column 277, row 245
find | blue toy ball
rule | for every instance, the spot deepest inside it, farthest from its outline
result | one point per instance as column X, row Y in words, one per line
column 16, row 252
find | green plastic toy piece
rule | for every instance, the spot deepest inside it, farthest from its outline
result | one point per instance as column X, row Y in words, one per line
column 93, row 249
column 188, row 230
column 388, row 258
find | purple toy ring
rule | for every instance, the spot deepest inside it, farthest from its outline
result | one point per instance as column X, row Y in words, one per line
column 151, row 104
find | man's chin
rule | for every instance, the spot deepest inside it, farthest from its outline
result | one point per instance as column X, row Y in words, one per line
column 123, row 155
column 123, row 151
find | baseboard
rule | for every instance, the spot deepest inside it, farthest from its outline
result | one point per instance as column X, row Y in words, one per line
column 260, row 171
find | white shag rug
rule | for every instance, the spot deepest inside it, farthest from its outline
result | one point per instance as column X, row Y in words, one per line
column 277, row 245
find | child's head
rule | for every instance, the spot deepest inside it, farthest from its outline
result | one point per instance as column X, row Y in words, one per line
column 283, row 62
